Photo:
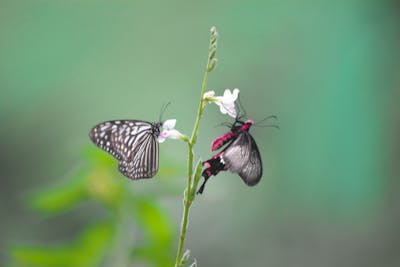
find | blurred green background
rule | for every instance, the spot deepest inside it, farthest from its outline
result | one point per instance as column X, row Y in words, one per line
column 328, row 69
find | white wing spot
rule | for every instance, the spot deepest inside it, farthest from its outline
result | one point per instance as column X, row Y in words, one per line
column 122, row 129
column 134, row 131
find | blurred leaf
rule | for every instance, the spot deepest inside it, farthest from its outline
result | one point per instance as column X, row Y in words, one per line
column 151, row 217
column 61, row 197
column 93, row 245
column 96, row 156
column 104, row 186
column 88, row 250
column 97, row 182
column 35, row 256
column 158, row 231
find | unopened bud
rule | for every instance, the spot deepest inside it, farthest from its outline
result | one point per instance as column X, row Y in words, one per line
column 211, row 66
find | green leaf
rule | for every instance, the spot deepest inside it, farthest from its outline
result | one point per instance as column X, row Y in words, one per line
column 152, row 219
column 158, row 231
column 59, row 198
column 41, row 256
column 88, row 250
column 93, row 245
column 96, row 156
column 196, row 179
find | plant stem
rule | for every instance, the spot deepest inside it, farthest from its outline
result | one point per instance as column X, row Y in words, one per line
column 193, row 138
column 187, row 201
column 188, row 197
column 186, row 206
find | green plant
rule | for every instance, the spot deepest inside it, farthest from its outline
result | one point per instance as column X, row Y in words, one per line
column 133, row 227
column 114, row 239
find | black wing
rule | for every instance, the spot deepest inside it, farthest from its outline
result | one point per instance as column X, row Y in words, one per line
column 242, row 157
column 132, row 142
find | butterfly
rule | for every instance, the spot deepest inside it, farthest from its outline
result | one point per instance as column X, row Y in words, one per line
column 132, row 142
column 241, row 155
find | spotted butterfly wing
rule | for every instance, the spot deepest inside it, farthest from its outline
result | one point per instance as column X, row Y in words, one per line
column 132, row 142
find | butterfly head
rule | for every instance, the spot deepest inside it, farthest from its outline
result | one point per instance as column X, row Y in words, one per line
column 156, row 127
column 241, row 124
column 246, row 125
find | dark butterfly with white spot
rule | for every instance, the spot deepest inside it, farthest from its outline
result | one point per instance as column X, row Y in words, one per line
column 132, row 142
column 240, row 155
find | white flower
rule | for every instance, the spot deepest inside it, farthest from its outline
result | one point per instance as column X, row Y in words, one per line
column 169, row 131
column 226, row 102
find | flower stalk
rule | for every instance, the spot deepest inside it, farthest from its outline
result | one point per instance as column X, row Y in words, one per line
column 192, row 180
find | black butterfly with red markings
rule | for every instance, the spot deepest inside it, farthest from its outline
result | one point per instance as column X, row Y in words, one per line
column 240, row 155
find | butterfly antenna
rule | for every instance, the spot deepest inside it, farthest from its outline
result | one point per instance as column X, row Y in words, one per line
column 267, row 118
column 268, row 125
column 163, row 108
column 227, row 124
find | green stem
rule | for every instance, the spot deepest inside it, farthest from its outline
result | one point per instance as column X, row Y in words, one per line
column 193, row 138
column 188, row 198
column 186, row 205
column 188, row 202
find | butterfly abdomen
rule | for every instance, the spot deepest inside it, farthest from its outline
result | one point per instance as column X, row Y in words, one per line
column 222, row 140
column 212, row 167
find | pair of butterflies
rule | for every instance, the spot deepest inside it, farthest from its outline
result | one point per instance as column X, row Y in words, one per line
column 134, row 144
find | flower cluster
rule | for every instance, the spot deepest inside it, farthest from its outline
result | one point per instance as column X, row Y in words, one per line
column 226, row 104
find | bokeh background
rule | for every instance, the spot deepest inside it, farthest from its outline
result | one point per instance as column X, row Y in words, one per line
column 328, row 69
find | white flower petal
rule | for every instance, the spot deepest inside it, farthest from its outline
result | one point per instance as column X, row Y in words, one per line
column 232, row 112
column 161, row 139
column 226, row 102
column 222, row 109
column 174, row 134
column 169, row 124
column 228, row 109
column 227, row 94
column 235, row 94
column 169, row 131
column 208, row 94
